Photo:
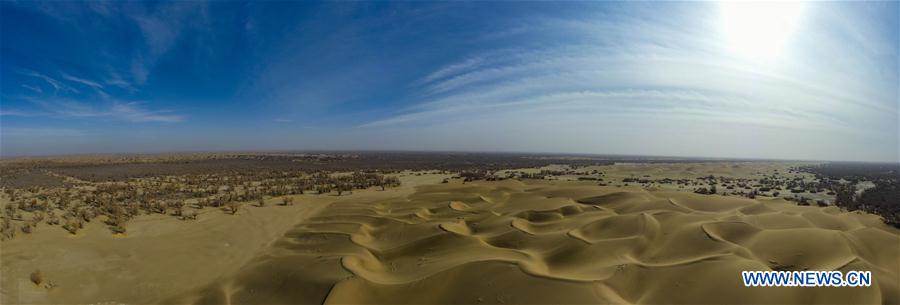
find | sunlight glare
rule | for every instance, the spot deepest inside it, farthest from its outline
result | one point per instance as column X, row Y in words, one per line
column 759, row 30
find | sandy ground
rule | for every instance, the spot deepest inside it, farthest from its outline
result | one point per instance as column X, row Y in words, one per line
column 159, row 256
column 550, row 242
column 561, row 243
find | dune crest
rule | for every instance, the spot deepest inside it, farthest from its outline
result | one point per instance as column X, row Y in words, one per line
column 513, row 242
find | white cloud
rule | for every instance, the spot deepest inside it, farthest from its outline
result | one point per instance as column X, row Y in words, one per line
column 7, row 112
column 39, row 132
column 57, row 85
column 161, row 29
column 116, row 110
column 134, row 113
column 37, row 90
column 82, row 81
column 453, row 69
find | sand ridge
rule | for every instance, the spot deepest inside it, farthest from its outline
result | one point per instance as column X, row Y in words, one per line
column 541, row 242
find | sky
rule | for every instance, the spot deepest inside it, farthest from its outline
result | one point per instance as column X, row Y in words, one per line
column 812, row 81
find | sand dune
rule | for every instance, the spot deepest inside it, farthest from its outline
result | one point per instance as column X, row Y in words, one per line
column 539, row 242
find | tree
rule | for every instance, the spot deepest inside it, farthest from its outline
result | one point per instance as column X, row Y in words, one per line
column 343, row 187
column 844, row 197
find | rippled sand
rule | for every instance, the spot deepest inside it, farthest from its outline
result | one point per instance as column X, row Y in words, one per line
column 542, row 242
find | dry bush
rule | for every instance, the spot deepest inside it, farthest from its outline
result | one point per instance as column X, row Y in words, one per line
column 117, row 229
column 7, row 229
column 52, row 219
column 178, row 211
column 87, row 215
column 72, row 226
column 233, row 207
column 26, row 228
column 189, row 216
column 36, row 277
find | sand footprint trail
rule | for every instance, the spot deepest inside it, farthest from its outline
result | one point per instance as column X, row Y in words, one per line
column 509, row 242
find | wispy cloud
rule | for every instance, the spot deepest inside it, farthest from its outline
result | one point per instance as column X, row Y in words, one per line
column 37, row 90
column 116, row 80
column 7, row 112
column 161, row 29
column 82, row 81
column 40, row 132
column 57, row 85
column 135, row 113
column 455, row 68
column 116, row 110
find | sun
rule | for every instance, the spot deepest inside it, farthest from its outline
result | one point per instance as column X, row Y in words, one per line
column 759, row 30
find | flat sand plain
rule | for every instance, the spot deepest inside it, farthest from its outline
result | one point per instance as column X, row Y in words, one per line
column 515, row 242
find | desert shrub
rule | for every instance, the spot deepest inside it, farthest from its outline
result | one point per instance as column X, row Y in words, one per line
column 87, row 215
column 233, row 207
column 36, row 277
column 158, row 208
column 752, row 194
column 287, row 201
column 72, row 226
column 7, row 229
column 26, row 228
column 189, row 216
column 118, row 229
column 52, row 219
column 323, row 189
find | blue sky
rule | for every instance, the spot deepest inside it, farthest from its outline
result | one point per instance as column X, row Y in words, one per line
column 680, row 79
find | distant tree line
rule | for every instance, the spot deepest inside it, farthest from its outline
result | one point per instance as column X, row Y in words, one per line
column 70, row 207
column 882, row 200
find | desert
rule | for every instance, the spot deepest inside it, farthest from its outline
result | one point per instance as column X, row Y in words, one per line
column 560, row 231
